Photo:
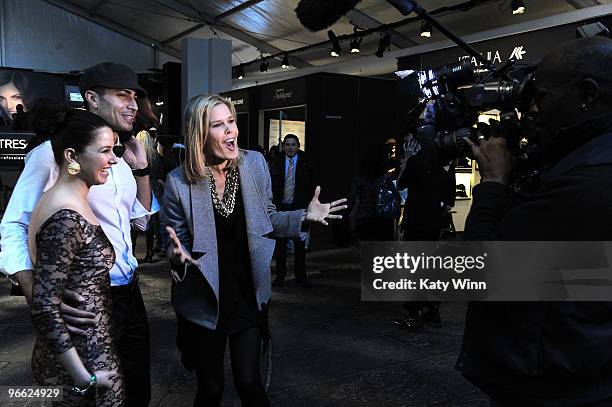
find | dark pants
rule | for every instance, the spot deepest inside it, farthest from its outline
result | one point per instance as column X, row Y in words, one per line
column 131, row 329
column 204, row 351
column 299, row 247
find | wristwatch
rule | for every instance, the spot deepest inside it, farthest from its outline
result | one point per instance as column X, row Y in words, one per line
column 142, row 172
column 84, row 390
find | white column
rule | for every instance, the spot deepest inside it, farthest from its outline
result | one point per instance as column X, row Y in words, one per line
column 206, row 67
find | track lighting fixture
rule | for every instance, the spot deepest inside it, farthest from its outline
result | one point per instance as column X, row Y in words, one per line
column 383, row 45
column 336, row 50
column 426, row 29
column 518, row 7
column 285, row 64
column 356, row 41
column 355, row 44
column 263, row 66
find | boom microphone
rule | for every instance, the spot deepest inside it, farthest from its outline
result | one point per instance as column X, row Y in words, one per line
column 319, row 14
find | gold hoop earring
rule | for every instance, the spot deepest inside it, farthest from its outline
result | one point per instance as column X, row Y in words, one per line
column 74, row 168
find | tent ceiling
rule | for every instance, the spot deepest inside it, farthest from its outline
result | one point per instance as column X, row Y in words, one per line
column 271, row 26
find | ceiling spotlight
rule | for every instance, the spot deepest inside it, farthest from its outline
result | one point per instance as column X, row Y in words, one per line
column 263, row 67
column 518, row 7
column 240, row 72
column 285, row 64
column 426, row 29
column 336, row 50
column 383, row 44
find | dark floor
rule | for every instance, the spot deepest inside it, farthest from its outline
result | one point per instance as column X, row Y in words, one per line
column 329, row 348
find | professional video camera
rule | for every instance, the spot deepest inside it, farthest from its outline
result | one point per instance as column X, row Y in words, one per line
column 454, row 95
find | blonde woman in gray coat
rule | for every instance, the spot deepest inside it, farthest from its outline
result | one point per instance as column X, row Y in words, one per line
column 222, row 224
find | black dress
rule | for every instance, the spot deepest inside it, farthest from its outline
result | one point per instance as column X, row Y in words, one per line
column 76, row 255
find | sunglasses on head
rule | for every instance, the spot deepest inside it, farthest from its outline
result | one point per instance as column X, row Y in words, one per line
column 118, row 150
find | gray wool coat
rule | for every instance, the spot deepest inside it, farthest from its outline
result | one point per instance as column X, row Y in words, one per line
column 188, row 209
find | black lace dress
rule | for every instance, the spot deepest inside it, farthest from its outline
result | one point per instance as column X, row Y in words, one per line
column 76, row 255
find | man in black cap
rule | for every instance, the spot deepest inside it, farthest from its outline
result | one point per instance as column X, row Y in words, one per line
column 125, row 200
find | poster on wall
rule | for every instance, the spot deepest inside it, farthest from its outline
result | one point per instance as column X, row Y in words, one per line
column 287, row 127
column 25, row 88
column 12, row 148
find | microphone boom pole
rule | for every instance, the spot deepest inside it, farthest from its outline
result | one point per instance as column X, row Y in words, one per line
column 408, row 6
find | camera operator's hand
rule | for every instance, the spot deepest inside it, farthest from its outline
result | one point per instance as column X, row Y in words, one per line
column 495, row 162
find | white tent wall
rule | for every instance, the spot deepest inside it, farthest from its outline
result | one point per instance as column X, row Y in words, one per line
column 37, row 35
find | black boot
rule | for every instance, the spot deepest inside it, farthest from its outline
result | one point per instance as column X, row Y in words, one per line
column 413, row 320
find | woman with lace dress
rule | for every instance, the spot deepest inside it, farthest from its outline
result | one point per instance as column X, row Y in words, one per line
column 222, row 223
column 72, row 252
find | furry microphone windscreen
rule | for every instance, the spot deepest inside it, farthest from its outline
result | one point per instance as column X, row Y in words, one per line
column 319, row 14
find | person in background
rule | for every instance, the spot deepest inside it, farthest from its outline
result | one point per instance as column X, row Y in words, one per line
column 221, row 221
column 431, row 192
column 393, row 163
column 273, row 152
column 20, row 119
column 364, row 195
column 145, row 121
column 293, row 184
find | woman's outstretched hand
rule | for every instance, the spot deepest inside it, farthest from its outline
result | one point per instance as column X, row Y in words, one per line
column 318, row 212
column 178, row 255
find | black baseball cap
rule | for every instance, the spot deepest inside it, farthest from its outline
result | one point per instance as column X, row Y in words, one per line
column 112, row 76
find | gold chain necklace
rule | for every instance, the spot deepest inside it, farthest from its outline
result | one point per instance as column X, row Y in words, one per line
column 225, row 206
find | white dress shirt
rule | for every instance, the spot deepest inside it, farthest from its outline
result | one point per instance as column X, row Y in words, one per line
column 114, row 203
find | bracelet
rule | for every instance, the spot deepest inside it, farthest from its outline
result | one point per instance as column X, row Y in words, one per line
column 142, row 172
column 83, row 391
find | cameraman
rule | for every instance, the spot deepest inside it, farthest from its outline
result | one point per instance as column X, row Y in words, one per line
column 549, row 353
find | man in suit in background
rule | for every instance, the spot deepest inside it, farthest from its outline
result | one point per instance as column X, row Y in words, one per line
column 292, row 188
